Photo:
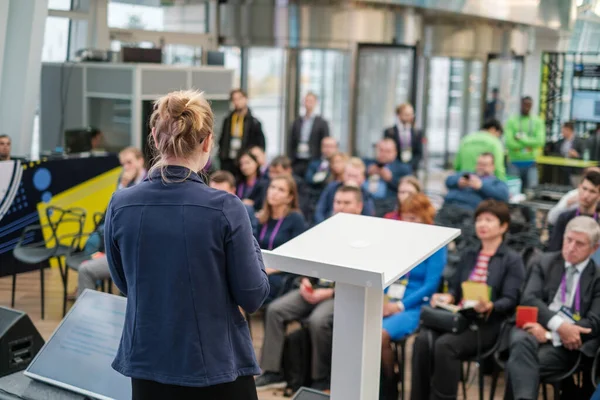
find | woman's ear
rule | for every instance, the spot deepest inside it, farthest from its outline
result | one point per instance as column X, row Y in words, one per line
column 207, row 143
column 154, row 137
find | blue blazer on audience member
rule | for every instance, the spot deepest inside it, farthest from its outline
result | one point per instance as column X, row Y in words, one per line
column 312, row 169
column 423, row 282
column 325, row 204
column 185, row 257
column 491, row 188
column 398, row 170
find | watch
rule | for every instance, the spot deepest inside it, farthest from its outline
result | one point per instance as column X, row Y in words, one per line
column 548, row 335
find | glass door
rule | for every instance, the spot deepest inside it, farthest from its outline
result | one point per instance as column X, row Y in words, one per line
column 503, row 87
column 386, row 76
column 326, row 74
column 453, row 106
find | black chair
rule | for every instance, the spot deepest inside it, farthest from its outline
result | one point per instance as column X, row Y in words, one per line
column 556, row 380
column 38, row 253
column 594, row 371
column 399, row 347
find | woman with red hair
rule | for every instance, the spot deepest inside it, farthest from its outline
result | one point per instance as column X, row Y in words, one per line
column 404, row 298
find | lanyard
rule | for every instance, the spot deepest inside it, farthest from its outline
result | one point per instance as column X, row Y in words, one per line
column 563, row 293
column 241, row 189
column 578, row 213
column 263, row 233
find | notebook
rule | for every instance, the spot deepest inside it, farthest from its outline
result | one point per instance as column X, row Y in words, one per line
column 526, row 315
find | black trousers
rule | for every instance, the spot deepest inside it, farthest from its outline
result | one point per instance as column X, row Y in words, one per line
column 241, row 389
column 528, row 361
column 437, row 359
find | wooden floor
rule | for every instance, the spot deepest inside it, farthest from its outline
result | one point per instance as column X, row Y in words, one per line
column 28, row 300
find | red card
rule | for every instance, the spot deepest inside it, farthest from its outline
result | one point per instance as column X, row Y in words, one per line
column 526, row 315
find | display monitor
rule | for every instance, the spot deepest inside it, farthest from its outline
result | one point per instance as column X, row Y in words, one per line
column 585, row 106
column 79, row 354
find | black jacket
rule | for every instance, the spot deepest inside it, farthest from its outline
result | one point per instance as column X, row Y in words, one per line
column 416, row 145
column 253, row 135
column 558, row 231
column 544, row 282
column 505, row 276
column 320, row 129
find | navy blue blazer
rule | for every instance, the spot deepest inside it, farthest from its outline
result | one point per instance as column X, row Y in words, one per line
column 185, row 257
column 324, row 208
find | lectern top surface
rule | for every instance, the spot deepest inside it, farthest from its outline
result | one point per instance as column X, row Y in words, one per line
column 373, row 245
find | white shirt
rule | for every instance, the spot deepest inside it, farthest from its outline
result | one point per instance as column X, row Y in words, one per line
column 556, row 321
column 404, row 133
column 561, row 207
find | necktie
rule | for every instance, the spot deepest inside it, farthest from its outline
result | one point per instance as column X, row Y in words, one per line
column 571, row 272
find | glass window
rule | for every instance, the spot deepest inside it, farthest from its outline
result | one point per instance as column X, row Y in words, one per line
column 233, row 60
column 188, row 16
column 182, row 55
column 56, row 39
column 265, row 93
column 385, row 81
column 325, row 73
column 506, row 75
column 437, row 101
column 64, row 5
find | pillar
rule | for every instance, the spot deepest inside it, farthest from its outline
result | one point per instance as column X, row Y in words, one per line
column 20, row 69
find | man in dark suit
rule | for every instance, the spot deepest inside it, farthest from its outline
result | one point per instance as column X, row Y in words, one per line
column 565, row 288
column 305, row 137
column 241, row 131
column 589, row 196
column 409, row 141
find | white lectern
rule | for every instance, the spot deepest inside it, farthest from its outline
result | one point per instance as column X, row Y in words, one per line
column 363, row 255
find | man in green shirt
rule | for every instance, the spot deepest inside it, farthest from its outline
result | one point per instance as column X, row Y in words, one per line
column 525, row 138
column 487, row 140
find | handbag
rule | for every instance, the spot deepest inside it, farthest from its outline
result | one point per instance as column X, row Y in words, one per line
column 443, row 321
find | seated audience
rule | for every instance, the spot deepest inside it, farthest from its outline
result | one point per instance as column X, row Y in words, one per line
column 385, row 171
column 282, row 166
column 493, row 263
column 564, row 286
column 337, row 164
column 315, row 303
column 354, row 175
column 408, row 186
column 132, row 161
column 5, row 144
column 569, row 201
column 280, row 220
column 96, row 269
column 487, row 140
column 224, row 180
column 467, row 190
column 588, row 196
column 261, row 157
column 250, row 188
column 319, row 169
column 404, row 298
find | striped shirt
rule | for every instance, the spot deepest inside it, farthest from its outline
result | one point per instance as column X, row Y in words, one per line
column 480, row 272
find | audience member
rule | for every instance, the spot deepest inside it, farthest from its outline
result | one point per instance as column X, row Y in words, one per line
column 97, row 140
column 570, row 146
column 132, row 161
column 261, row 157
column 354, row 175
column 408, row 139
column 493, row 263
column 315, row 303
column 385, row 171
column 224, row 180
column 564, row 286
column 525, row 138
column 282, row 166
column 487, row 140
column 241, row 131
column 408, row 186
column 5, row 145
column 337, row 166
column 467, row 190
column 494, row 108
column 569, row 201
column 402, row 309
column 250, row 188
column 588, row 198
column 280, row 220
column 319, row 168
column 306, row 134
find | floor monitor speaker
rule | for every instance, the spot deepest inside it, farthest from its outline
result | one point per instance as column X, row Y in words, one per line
column 20, row 341
column 310, row 394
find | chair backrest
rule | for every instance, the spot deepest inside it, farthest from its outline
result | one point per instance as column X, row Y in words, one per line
column 58, row 217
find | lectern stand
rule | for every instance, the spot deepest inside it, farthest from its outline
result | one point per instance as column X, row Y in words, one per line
column 363, row 255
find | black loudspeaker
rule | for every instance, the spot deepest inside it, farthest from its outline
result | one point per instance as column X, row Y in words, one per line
column 310, row 394
column 19, row 341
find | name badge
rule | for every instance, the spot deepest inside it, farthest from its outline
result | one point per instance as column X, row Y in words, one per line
column 303, row 149
column 567, row 314
column 319, row 176
column 234, row 147
column 396, row 291
column 406, row 155
column 373, row 185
